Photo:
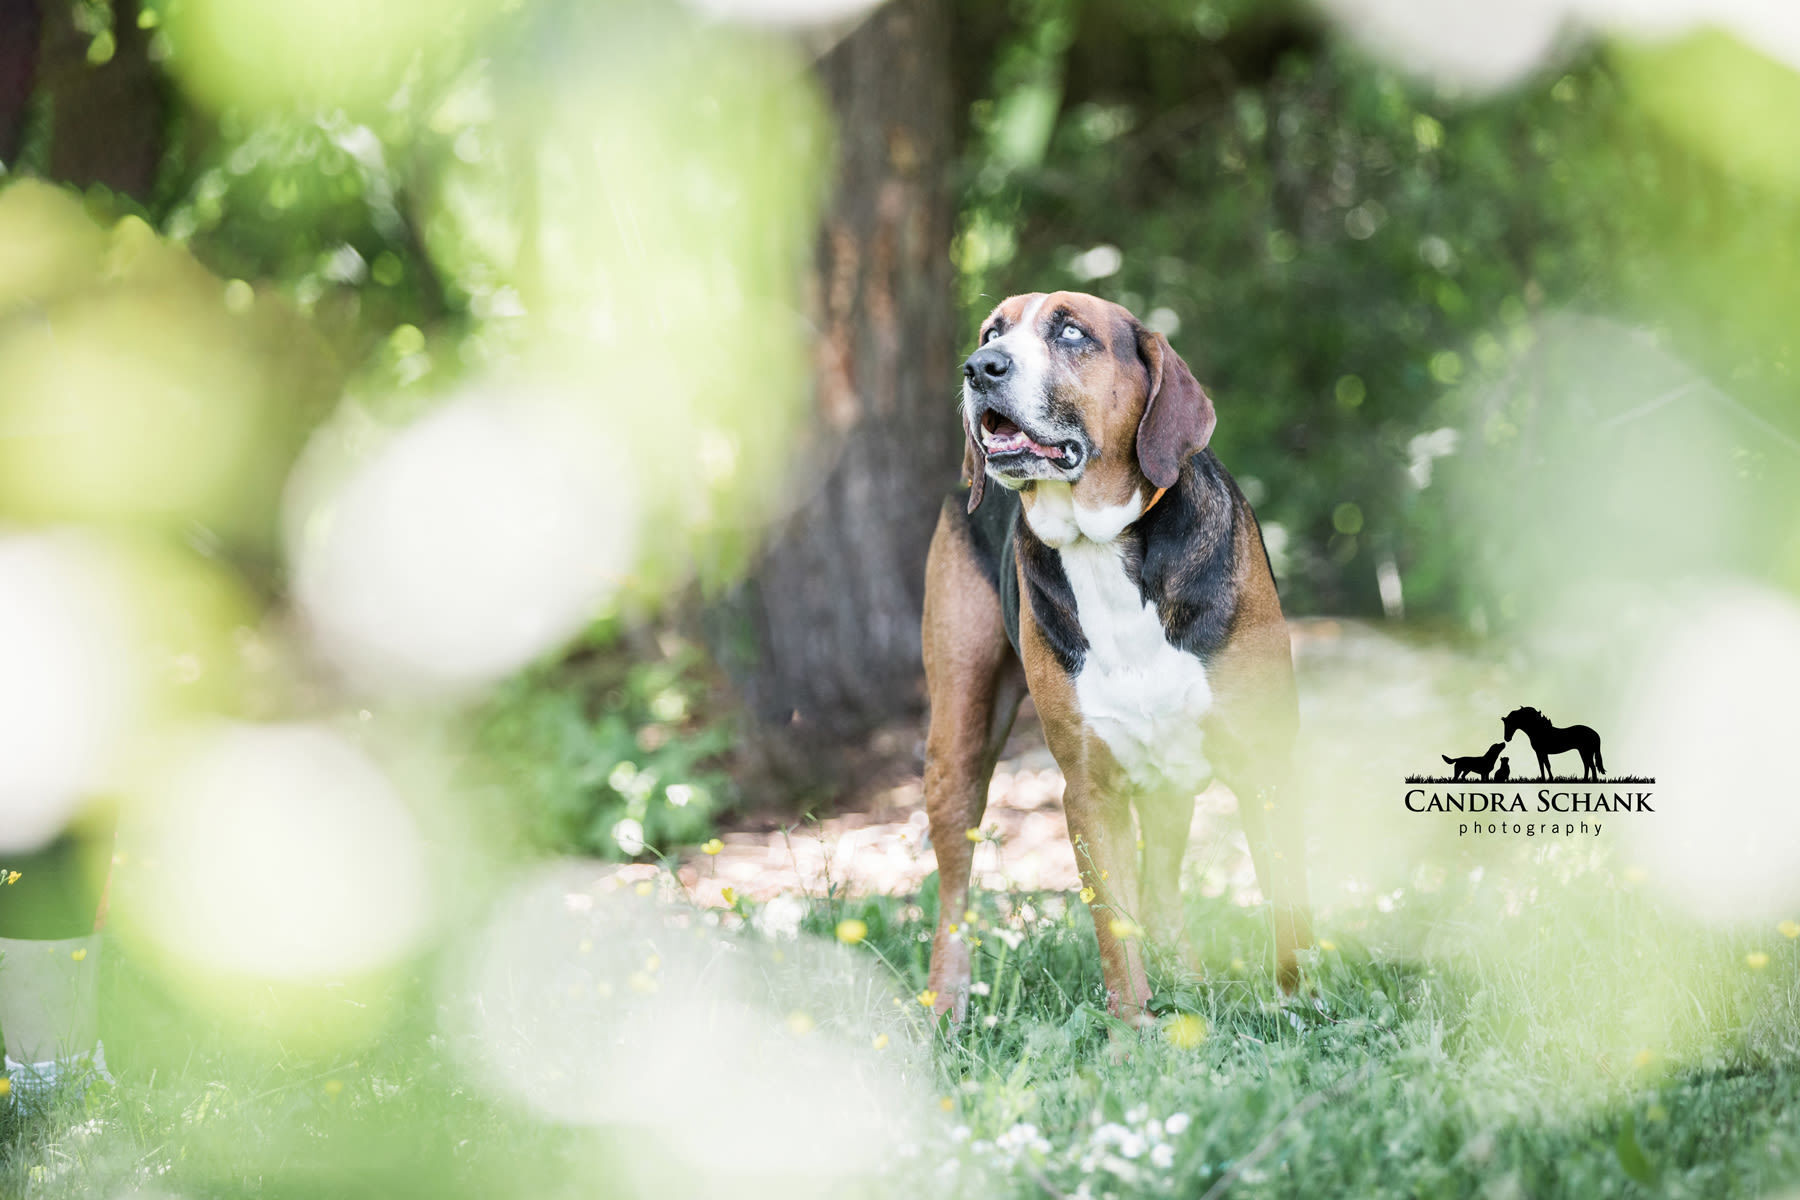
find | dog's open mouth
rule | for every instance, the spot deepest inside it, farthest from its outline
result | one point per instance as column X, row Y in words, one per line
column 1000, row 436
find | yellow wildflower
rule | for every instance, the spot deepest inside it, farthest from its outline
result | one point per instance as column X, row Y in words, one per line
column 711, row 846
column 1756, row 960
column 645, row 887
column 1237, row 964
column 852, row 931
column 1327, row 945
column 729, row 895
column 946, row 1103
column 1185, row 1031
column 1087, row 895
column 653, row 962
column 1125, row 928
column 78, row 955
column 333, row 1087
column 5, row 1087
column 1642, row 1059
column 586, row 946
column 881, row 1041
column 799, row 1024
column 970, row 916
column 641, row 983
column 974, row 835
column 1789, row 929
column 927, row 998
column 12, row 877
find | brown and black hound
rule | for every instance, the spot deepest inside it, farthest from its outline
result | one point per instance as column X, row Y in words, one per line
column 1120, row 576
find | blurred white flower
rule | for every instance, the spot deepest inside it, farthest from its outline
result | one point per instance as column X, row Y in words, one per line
column 1425, row 449
column 783, row 12
column 283, row 853
column 1098, row 263
column 67, row 690
column 629, row 834
column 471, row 542
column 1488, row 44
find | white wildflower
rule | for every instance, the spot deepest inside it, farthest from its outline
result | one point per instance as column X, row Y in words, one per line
column 629, row 834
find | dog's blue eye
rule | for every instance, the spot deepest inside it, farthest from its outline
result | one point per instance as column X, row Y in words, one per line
column 1071, row 333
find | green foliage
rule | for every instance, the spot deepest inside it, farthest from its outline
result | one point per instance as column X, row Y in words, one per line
column 601, row 739
column 1353, row 262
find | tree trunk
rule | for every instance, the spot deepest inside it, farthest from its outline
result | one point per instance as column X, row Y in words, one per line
column 108, row 117
column 21, row 27
column 823, row 640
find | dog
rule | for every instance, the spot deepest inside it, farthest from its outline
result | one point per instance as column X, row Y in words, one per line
column 1116, row 574
column 1504, row 772
column 1477, row 765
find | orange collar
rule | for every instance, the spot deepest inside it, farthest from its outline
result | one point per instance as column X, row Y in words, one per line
column 1160, row 493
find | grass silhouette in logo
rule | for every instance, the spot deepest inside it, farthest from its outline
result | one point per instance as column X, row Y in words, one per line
column 1546, row 739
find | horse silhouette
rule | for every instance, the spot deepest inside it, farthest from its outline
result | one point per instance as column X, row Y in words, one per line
column 1475, row 764
column 1547, row 739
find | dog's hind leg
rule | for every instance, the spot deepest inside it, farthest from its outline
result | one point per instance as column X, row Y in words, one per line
column 1165, row 820
column 975, row 684
column 1273, row 825
column 1255, row 754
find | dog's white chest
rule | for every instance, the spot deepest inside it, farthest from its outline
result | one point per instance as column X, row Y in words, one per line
column 1140, row 695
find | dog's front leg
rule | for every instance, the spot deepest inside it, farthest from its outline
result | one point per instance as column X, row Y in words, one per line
column 1105, row 841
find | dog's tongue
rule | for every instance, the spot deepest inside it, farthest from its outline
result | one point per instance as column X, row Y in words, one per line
column 1006, row 437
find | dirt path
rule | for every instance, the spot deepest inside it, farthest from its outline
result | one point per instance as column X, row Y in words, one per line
column 1354, row 677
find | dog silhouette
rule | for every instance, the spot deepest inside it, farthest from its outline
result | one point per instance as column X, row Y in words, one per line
column 1505, row 771
column 1547, row 739
column 1477, row 765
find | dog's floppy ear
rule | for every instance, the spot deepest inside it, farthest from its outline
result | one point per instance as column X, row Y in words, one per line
column 974, row 471
column 1178, row 417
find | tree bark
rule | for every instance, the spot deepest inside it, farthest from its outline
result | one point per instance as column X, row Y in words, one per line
column 109, row 118
column 21, row 27
column 823, row 640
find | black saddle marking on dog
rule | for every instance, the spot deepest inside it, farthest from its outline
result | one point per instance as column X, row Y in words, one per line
column 1182, row 555
column 1052, row 599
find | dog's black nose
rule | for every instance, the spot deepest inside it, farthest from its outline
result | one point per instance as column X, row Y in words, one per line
column 987, row 365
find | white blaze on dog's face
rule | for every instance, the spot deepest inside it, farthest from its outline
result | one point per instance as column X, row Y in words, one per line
column 1069, row 399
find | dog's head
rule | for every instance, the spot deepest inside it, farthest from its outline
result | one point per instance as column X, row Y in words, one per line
column 1066, row 386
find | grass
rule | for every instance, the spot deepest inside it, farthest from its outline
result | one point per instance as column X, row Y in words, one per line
column 1518, row 779
column 1543, row 1026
